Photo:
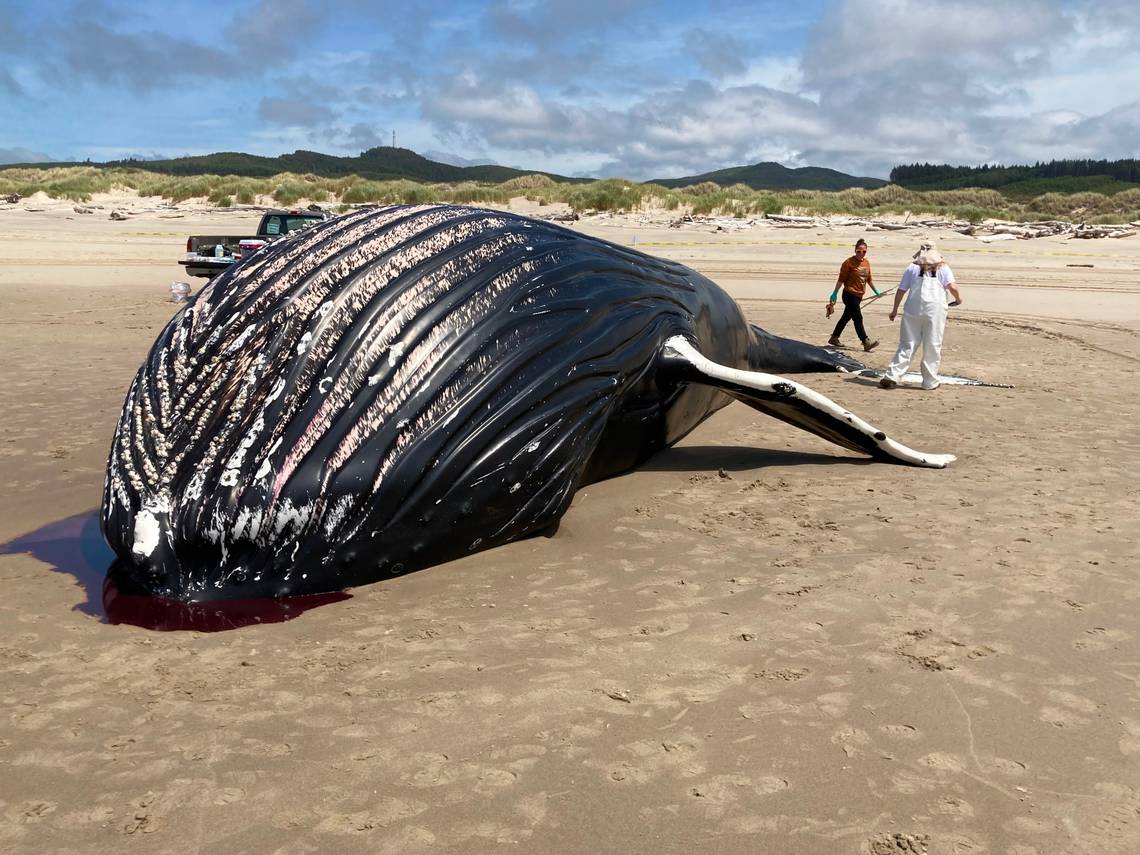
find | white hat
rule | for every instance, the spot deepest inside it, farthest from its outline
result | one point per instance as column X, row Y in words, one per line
column 928, row 256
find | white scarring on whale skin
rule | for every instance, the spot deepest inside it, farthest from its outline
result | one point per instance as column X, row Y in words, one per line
column 148, row 529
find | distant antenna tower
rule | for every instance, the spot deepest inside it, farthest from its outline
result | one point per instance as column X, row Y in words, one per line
column 393, row 139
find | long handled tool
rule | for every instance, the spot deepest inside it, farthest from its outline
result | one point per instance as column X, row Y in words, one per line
column 877, row 296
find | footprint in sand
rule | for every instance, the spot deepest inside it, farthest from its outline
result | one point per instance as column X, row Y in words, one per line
column 720, row 793
column 1061, row 718
column 379, row 816
column 37, row 810
column 535, row 809
column 943, row 762
column 437, row 770
column 1077, row 703
column 896, row 843
column 229, row 795
column 952, row 806
column 851, row 739
column 901, row 731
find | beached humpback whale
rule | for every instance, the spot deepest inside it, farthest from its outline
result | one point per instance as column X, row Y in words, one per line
column 402, row 386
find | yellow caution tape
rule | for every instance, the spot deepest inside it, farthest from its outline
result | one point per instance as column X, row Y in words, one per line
column 956, row 249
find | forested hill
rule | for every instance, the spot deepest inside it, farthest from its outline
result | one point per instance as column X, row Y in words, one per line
column 1056, row 176
column 773, row 176
column 383, row 163
column 388, row 163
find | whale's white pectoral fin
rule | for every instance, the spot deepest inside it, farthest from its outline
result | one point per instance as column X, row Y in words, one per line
column 797, row 405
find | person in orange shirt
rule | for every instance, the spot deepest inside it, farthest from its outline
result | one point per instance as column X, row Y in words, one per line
column 854, row 278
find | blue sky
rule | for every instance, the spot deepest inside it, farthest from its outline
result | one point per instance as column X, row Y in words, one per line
column 578, row 87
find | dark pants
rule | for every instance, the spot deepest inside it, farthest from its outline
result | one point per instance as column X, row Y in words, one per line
column 851, row 312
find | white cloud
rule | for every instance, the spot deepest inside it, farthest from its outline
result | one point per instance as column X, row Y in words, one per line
column 23, row 155
column 1087, row 136
column 783, row 73
column 455, row 160
column 284, row 111
column 720, row 54
column 605, row 86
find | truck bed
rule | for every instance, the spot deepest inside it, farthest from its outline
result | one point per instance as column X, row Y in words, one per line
column 208, row 255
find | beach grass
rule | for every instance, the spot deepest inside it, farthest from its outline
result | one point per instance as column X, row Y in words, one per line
column 81, row 183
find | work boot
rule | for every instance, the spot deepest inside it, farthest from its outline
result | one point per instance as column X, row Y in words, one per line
column 887, row 383
column 870, row 344
column 834, row 341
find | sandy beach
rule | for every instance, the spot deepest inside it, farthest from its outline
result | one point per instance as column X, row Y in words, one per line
column 756, row 643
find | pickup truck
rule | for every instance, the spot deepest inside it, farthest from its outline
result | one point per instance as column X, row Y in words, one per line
column 209, row 255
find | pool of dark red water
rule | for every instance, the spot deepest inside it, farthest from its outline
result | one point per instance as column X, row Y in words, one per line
column 75, row 546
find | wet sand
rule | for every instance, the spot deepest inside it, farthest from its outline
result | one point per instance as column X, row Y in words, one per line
column 756, row 643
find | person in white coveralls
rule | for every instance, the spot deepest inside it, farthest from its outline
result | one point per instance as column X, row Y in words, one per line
column 924, row 284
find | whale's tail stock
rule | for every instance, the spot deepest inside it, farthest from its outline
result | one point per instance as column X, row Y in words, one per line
column 768, row 352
